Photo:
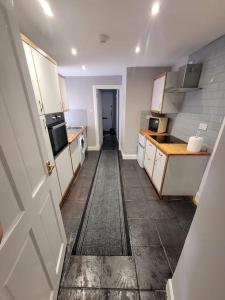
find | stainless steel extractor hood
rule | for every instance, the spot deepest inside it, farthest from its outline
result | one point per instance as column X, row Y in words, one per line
column 188, row 78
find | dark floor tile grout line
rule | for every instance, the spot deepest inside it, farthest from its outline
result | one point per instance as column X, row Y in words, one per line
column 164, row 250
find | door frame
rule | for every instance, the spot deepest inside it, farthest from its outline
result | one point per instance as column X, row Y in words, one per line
column 119, row 106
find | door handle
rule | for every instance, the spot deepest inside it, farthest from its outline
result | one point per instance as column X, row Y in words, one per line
column 104, row 118
column 49, row 167
column 1, row 233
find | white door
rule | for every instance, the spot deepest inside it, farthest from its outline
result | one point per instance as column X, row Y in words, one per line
column 34, row 242
column 159, row 167
column 107, row 110
column 158, row 93
column 47, row 75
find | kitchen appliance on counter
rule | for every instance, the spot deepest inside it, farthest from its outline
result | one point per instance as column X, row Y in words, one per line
column 141, row 150
column 57, row 131
column 167, row 139
column 157, row 124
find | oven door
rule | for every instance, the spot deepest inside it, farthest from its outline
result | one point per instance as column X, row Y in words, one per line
column 58, row 137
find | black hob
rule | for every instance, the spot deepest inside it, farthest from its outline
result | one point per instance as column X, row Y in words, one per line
column 167, row 139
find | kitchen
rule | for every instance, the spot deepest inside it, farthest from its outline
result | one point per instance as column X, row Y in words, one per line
column 130, row 216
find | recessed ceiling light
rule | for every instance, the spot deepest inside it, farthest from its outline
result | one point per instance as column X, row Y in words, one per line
column 74, row 51
column 137, row 49
column 155, row 8
column 46, row 8
column 83, row 67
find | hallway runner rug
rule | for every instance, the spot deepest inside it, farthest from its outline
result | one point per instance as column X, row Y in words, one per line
column 103, row 230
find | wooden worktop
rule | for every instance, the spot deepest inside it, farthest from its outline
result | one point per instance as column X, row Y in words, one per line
column 72, row 136
column 170, row 149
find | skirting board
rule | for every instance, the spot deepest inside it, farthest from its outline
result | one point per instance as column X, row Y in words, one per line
column 128, row 156
column 93, row 148
column 169, row 290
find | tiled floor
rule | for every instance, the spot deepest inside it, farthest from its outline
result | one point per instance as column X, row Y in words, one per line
column 157, row 232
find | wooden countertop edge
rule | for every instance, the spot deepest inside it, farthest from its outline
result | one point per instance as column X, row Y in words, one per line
column 72, row 136
column 168, row 152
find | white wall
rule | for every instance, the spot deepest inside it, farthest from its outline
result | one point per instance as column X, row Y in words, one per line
column 139, row 84
column 200, row 272
column 80, row 95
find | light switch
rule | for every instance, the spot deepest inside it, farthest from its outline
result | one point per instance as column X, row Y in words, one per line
column 203, row 126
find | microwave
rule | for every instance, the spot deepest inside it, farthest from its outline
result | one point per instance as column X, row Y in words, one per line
column 157, row 124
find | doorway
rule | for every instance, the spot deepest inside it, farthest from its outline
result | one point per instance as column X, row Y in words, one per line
column 107, row 103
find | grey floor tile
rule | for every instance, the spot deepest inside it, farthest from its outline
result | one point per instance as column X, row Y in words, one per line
column 81, row 294
column 71, row 226
column 131, row 181
column 118, row 272
column 73, row 211
column 173, row 255
column 170, row 232
column 150, row 193
column 134, row 194
column 121, row 295
column 153, row 270
column 83, row 271
column 148, row 295
column 159, row 210
column 143, row 232
column 137, row 209
column 184, row 211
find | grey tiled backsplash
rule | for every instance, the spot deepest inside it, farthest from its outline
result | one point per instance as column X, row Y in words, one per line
column 206, row 105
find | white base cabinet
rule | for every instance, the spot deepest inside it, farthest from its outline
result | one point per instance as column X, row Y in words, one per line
column 149, row 157
column 159, row 169
column 75, row 154
column 174, row 175
column 64, row 169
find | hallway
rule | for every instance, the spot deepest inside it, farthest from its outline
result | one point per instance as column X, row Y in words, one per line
column 157, row 231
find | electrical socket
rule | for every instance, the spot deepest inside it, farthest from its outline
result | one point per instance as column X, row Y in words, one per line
column 203, row 126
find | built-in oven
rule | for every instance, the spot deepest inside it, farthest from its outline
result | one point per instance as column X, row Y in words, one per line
column 57, row 131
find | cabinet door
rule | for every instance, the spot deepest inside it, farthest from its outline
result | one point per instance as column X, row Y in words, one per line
column 158, row 93
column 47, row 76
column 149, row 157
column 63, row 91
column 159, row 167
column 64, row 169
column 75, row 154
column 33, row 76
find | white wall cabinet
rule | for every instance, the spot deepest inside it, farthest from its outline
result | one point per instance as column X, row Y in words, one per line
column 64, row 169
column 159, row 169
column 33, row 75
column 47, row 76
column 63, row 92
column 162, row 101
column 75, row 154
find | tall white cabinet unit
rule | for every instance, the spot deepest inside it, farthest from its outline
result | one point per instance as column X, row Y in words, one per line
column 47, row 77
column 63, row 91
column 162, row 101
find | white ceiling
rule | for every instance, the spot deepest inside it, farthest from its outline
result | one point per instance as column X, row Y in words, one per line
column 181, row 27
